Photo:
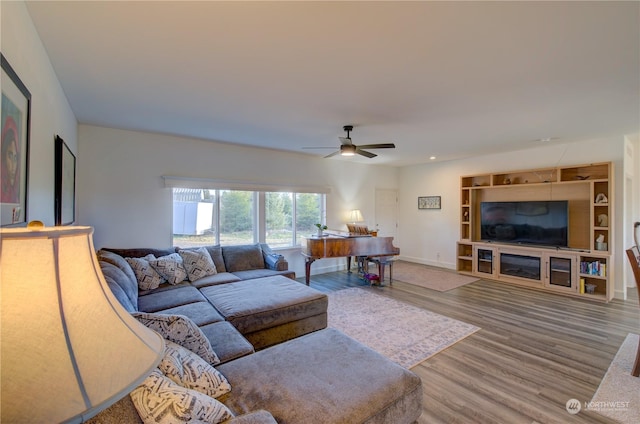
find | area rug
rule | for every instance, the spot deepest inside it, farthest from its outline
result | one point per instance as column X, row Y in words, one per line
column 403, row 333
column 618, row 395
column 427, row 277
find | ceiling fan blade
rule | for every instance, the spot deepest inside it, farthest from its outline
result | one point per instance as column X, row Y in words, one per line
column 332, row 154
column 345, row 140
column 365, row 153
column 318, row 147
column 378, row 146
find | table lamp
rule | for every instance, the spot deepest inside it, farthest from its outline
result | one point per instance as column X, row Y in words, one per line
column 68, row 349
column 356, row 216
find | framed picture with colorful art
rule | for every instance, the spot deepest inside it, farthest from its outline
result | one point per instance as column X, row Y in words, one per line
column 14, row 164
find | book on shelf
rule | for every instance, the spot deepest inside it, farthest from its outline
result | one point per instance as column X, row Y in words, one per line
column 595, row 267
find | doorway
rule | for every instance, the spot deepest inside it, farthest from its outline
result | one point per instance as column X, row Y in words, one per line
column 386, row 218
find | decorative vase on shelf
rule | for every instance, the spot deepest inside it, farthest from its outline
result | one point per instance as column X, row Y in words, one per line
column 320, row 233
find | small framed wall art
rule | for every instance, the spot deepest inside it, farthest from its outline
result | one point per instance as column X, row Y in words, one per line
column 65, row 188
column 429, row 202
column 14, row 164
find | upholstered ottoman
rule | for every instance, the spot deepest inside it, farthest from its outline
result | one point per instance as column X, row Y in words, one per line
column 269, row 310
column 323, row 377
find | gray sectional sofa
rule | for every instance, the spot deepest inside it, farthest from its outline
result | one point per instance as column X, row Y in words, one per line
column 269, row 332
column 248, row 292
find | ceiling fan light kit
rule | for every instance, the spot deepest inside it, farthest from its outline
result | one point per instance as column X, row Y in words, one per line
column 347, row 148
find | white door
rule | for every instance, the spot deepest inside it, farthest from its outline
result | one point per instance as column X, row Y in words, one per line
column 387, row 213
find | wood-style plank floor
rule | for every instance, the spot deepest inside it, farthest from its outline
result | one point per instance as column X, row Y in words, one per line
column 534, row 352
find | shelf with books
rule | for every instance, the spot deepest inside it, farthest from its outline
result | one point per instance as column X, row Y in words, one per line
column 593, row 272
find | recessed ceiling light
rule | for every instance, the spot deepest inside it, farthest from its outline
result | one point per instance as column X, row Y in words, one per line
column 545, row 139
column 432, row 158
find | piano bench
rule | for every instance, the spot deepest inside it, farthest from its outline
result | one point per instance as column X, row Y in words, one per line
column 383, row 262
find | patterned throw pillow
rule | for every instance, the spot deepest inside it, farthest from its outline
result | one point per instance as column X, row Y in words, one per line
column 198, row 263
column 187, row 369
column 159, row 400
column 170, row 267
column 181, row 330
column 148, row 278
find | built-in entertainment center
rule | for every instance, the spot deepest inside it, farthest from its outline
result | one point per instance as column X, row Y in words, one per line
column 548, row 228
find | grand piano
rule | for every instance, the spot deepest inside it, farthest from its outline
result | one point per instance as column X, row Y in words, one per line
column 335, row 246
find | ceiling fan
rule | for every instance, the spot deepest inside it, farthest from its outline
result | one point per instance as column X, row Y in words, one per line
column 347, row 148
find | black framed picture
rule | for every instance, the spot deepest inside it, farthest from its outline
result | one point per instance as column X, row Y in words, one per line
column 429, row 202
column 14, row 161
column 65, row 189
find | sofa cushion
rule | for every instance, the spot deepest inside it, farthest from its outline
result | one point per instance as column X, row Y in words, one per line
column 170, row 267
column 126, row 280
column 263, row 272
column 226, row 341
column 216, row 254
column 323, row 374
column 243, row 257
column 197, row 263
column 140, row 252
column 120, row 262
column 181, row 330
column 165, row 299
column 161, row 401
column 146, row 275
column 189, row 370
column 164, row 286
column 257, row 417
column 201, row 313
column 112, row 275
column 219, row 278
column 253, row 305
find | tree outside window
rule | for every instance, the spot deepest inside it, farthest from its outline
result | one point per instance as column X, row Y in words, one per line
column 229, row 217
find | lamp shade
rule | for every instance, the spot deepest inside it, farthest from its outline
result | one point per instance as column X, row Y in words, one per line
column 356, row 216
column 68, row 349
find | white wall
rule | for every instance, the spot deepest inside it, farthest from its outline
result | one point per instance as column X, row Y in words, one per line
column 121, row 194
column 121, row 191
column 50, row 110
column 429, row 236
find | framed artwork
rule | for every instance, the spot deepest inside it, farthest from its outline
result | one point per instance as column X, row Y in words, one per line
column 65, row 189
column 14, row 161
column 429, row 202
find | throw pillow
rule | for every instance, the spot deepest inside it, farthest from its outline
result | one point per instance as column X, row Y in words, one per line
column 170, row 267
column 148, row 278
column 187, row 369
column 159, row 400
column 198, row 263
column 181, row 330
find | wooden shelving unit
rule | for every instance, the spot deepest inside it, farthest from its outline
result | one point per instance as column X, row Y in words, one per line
column 588, row 188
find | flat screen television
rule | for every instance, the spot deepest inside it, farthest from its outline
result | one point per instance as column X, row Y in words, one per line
column 542, row 223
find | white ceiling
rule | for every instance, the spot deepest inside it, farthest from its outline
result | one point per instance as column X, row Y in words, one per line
column 449, row 79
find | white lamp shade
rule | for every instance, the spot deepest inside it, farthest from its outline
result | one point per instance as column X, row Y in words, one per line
column 356, row 216
column 68, row 348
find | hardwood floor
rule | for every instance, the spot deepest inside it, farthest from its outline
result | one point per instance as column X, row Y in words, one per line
column 534, row 352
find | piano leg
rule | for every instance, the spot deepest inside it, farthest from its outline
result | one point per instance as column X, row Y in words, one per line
column 307, row 269
column 349, row 264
